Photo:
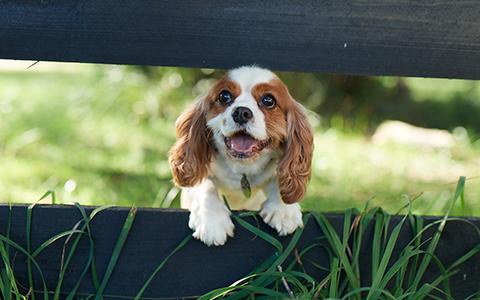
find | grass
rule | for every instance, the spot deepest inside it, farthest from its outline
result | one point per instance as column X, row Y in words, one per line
column 99, row 135
column 349, row 170
column 285, row 274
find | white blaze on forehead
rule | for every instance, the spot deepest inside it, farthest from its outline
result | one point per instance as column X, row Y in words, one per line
column 249, row 76
column 224, row 125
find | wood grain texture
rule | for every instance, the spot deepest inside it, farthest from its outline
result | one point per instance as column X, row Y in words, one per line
column 196, row 268
column 434, row 38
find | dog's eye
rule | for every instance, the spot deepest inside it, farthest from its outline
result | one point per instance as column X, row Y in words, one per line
column 225, row 97
column 268, row 101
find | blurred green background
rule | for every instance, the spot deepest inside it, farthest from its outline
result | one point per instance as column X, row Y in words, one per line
column 99, row 134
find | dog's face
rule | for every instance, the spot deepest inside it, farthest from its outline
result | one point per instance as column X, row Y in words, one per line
column 247, row 114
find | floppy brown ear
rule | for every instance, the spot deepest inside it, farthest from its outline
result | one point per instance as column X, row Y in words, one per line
column 295, row 167
column 190, row 156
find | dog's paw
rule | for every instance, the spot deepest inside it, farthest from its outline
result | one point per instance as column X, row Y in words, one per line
column 285, row 218
column 211, row 229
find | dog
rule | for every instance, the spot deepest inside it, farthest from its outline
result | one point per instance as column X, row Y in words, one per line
column 249, row 141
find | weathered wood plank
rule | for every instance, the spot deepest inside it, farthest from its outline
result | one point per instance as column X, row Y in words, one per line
column 197, row 268
column 438, row 38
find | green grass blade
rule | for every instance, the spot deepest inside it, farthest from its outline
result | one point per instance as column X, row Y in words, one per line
column 116, row 251
column 436, row 237
column 5, row 287
column 347, row 222
column 474, row 296
column 463, row 205
column 427, row 288
column 9, row 226
column 334, row 278
column 96, row 281
column 402, row 262
column 307, row 249
column 359, row 291
column 65, row 267
column 464, row 258
column 29, row 263
column 403, row 268
column 9, row 284
column 291, row 278
column 260, row 233
column 338, row 249
column 265, row 280
column 248, row 289
column 170, row 197
column 85, row 229
column 29, row 258
column 416, row 223
column 29, row 246
column 265, row 265
column 304, row 276
column 317, row 293
column 244, row 287
column 53, row 239
column 365, row 218
column 160, row 266
column 376, row 242
column 5, row 254
column 378, row 275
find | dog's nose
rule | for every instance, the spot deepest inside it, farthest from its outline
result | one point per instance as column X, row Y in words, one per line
column 242, row 114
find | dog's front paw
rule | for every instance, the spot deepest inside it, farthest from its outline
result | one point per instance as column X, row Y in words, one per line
column 285, row 218
column 211, row 229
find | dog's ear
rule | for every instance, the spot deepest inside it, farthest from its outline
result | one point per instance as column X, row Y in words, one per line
column 295, row 167
column 190, row 156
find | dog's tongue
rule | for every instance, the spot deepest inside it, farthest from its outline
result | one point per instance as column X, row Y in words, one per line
column 242, row 142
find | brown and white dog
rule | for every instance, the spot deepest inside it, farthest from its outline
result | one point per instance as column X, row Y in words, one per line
column 247, row 140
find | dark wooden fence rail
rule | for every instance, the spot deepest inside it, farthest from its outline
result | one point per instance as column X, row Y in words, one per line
column 434, row 38
column 196, row 269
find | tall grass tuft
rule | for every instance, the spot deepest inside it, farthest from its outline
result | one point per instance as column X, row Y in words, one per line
column 392, row 277
column 393, row 274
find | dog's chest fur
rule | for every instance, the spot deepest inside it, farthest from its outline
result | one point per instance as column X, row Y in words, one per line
column 227, row 175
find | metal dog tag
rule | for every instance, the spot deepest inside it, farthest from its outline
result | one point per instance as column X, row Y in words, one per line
column 247, row 191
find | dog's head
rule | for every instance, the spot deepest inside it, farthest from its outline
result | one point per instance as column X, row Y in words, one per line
column 246, row 114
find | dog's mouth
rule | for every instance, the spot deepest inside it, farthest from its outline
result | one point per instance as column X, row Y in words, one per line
column 242, row 145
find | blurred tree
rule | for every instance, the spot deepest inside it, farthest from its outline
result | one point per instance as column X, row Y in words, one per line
column 358, row 103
